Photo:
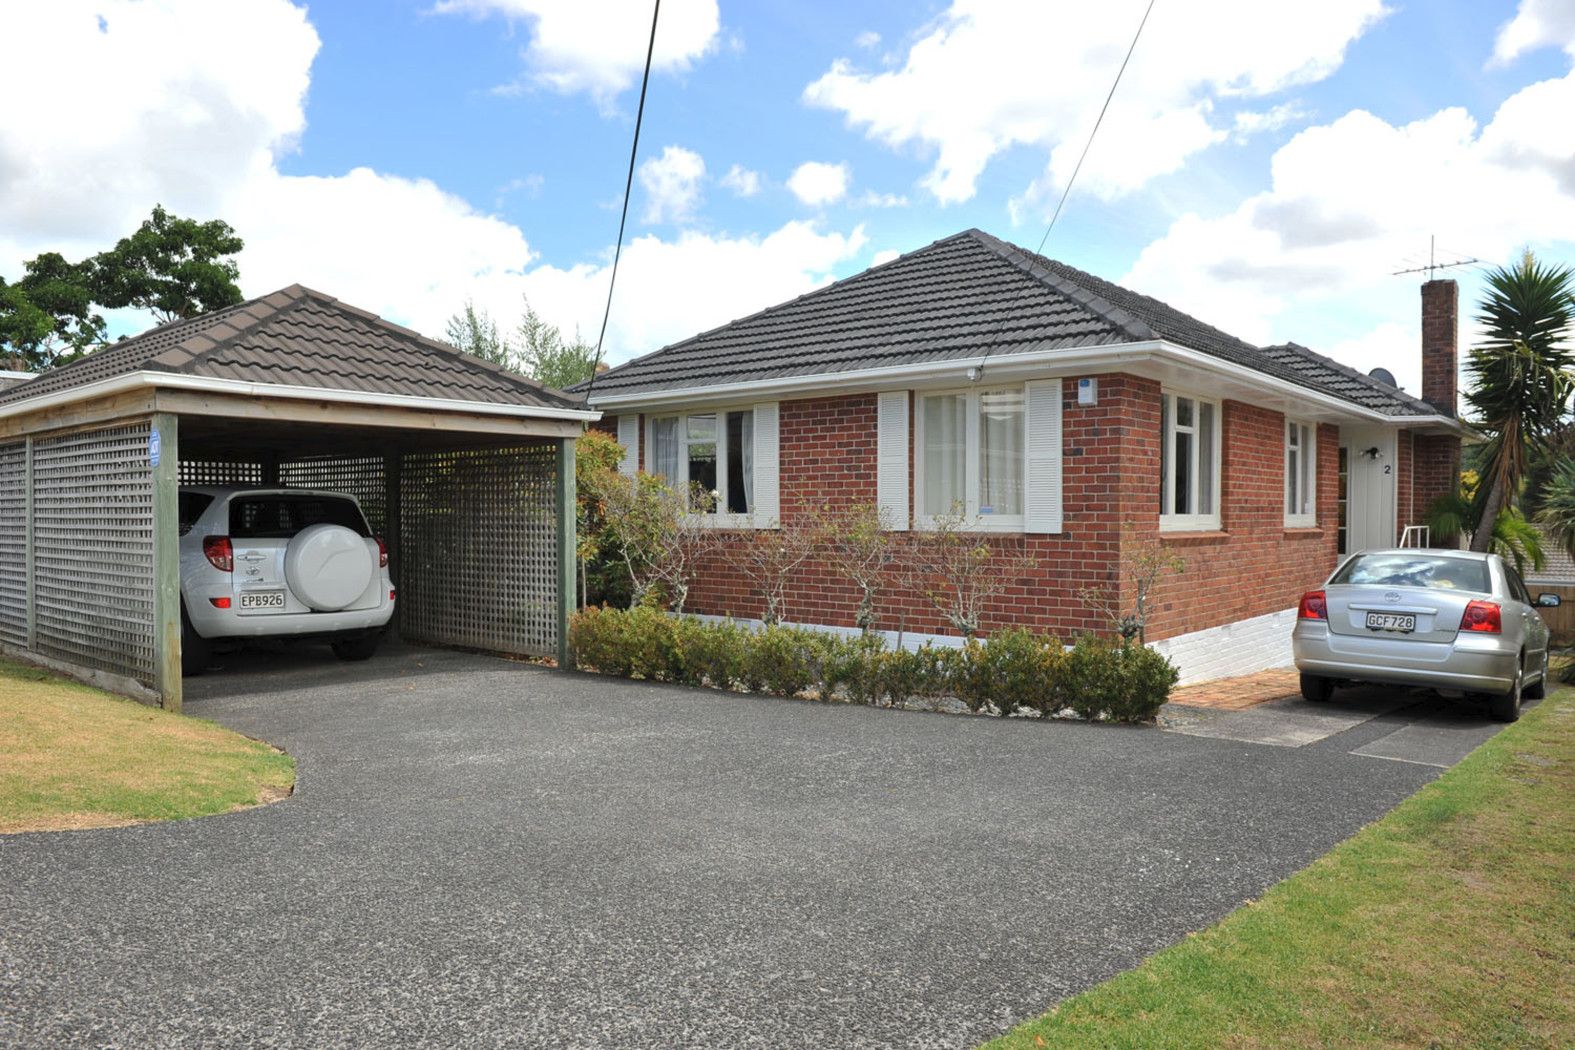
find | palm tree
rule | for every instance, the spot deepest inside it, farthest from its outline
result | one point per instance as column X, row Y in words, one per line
column 1513, row 537
column 1558, row 506
column 1520, row 378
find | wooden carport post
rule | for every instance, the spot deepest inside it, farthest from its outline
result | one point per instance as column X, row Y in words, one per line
column 164, row 458
column 568, row 512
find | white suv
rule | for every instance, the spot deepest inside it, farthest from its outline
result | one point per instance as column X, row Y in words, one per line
column 263, row 563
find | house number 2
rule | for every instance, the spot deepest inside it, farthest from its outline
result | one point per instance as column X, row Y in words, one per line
column 1388, row 469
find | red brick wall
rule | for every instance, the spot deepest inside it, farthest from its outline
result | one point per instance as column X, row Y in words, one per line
column 1437, row 471
column 1254, row 565
column 1110, row 469
column 1440, row 337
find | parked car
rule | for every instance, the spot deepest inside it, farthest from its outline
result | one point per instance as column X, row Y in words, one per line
column 269, row 562
column 1442, row 619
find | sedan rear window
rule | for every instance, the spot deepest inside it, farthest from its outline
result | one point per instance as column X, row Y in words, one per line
column 1438, row 572
column 281, row 517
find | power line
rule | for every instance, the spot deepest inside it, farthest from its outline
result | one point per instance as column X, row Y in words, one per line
column 628, row 188
column 1101, row 119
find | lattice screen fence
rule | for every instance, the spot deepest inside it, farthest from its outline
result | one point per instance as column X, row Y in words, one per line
column 13, row 543
column 93, row 549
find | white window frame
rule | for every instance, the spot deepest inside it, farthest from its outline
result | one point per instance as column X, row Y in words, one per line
column 975, row 520
column 1168, row 520
column 1307, row 451
column 720, row 518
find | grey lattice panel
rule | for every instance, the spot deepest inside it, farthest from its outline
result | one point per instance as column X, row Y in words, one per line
column 216, row 473
column 13, row 543
column 478, row 548
column 361, row 477
column 93, row 549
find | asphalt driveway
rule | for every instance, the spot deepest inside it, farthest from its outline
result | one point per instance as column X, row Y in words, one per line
column 481, row 852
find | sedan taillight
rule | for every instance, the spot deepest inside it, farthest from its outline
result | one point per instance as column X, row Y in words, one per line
column 1314, row 606
column 1483, row 617
column 219, row 553
column 382, row 553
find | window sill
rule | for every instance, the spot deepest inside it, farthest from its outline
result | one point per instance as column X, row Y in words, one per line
column 975, row 524
column 1302, row 531
column 1194, row 535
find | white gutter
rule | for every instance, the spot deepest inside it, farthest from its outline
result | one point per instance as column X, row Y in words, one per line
column 1070, row 361
column 6, row 373
column 201, row 384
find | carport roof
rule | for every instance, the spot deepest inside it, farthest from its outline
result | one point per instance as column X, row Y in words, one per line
column 301, row 338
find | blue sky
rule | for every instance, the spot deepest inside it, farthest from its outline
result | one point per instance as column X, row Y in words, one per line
column 1263, row 167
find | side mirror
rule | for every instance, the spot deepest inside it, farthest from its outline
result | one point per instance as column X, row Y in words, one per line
column 1548, row 600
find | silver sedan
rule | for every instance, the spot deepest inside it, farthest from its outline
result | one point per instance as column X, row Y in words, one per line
column 1442, row 619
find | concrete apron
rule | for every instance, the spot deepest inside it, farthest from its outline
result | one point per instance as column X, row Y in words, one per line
column 1402, row 725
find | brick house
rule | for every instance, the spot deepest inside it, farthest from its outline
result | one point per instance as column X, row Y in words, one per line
column 1055, row 407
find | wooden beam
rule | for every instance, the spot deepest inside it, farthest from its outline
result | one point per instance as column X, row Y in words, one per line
column 79, row 414
column 567, row 544
column 165, row 443
column 30, row 544
column 292, row 410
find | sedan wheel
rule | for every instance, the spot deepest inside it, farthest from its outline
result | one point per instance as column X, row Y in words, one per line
column 1316, row 688
column 1506, row 708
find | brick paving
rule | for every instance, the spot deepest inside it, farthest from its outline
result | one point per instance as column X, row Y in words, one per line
column 1236, row 694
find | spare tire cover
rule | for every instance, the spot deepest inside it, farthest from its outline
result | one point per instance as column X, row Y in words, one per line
column 327, row 566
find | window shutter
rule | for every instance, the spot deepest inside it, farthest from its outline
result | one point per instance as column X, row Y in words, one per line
column 891, row 456
column 768, row 502
column 1042, row 440
column 629, row 438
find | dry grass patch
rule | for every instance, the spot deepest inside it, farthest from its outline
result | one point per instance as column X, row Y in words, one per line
column 74, row 757
column 1447, row 923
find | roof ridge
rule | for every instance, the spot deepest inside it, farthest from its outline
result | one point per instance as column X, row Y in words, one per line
column 1353, row 373
column 1033, row 265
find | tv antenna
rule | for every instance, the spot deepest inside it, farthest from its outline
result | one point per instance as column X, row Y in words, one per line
column 1433, row 265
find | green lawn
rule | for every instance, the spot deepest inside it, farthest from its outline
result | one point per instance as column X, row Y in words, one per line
column 1448, row 923
column 75, row 757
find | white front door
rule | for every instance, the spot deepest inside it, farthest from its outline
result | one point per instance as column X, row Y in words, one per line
column 1370, row 478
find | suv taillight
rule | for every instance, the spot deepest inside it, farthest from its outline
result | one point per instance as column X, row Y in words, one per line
column 1313, row 607
column 219, row 553
column 382, row 553
column 1482, row 617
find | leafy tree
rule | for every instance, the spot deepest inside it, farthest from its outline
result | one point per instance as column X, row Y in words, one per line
column 474, row 331
column 47, row 317
column 537, row 350
column 769, row 558
column 657, row 531
column 1513, row 537
column 1558, row 506
column 1520, row 378
column 173, row 267
column 959, row 571
column 1145, row 560
column 597, row 456
column 550, row 359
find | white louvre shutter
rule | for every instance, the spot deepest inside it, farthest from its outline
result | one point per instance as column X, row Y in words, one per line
column 768, row 501
column 891, row 456
column 1042, row 441
column 629, row 438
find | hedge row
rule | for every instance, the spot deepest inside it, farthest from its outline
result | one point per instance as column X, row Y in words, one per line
column 1011, row 671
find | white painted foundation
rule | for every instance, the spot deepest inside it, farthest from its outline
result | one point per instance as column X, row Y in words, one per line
column 1243, row 647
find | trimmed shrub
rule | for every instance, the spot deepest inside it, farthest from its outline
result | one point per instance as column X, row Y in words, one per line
column 853, row 669
column 1122, row 682
column 781, row 661
column 924, row 673
column 713, row 653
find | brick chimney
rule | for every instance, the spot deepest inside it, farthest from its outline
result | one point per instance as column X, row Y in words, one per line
column 1440, row 337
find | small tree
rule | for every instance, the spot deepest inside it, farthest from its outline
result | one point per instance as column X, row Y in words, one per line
column 769, row 557
column 596, row 453
column 1144, row 561
column 550, row 359
column 658, row 533
column 858, row 541
column 959, row 571
column 47, row 317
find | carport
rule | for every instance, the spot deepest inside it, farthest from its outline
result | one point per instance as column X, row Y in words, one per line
column 465, row 469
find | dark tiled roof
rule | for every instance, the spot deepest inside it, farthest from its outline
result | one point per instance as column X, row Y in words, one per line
column 962, row 297
column 299, row 337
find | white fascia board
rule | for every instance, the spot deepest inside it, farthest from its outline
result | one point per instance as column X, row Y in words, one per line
column 201, row 384
column 6, row 373
column 1037, row 363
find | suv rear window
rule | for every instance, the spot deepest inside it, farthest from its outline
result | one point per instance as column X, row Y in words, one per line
column 281, row 517
column 1438, row 572
column 192, row 504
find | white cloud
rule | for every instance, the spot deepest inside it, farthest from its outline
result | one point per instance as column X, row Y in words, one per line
column 1313, row 253
column 867, row 39
column 742, row 181
column 599, row 48
column 885, row 255
column 871, row 199
column 672, row 184
column 818, row 183
column 1194, row 65
column 1249, row 122
column 1537, row 23
column 161, row 107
